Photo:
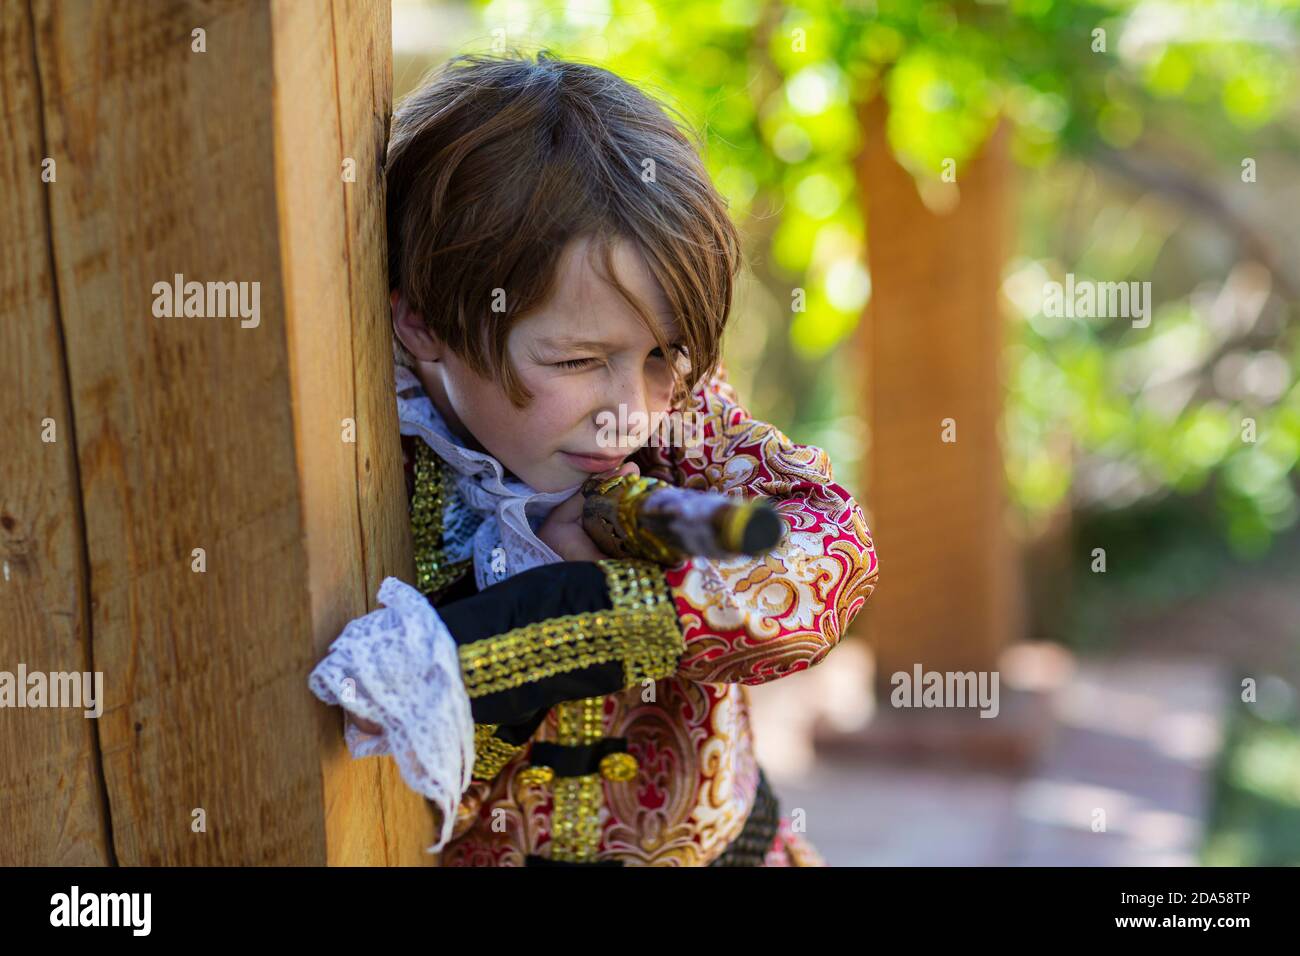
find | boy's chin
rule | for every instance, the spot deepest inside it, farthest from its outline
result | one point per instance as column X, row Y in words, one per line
column 550, row 480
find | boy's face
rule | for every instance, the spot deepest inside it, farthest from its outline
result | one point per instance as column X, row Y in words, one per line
column 585, row 352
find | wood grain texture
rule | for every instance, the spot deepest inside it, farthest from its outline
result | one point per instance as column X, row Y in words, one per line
column 192, row 432
column 363, row 44
column 336, row 265
column 51, row 800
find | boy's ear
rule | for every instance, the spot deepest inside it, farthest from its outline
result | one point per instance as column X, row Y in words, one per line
column 409, row 327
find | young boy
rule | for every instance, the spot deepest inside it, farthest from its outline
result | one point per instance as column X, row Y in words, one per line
column 557, row 254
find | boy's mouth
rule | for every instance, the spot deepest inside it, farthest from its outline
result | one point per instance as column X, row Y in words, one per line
column 594, row 464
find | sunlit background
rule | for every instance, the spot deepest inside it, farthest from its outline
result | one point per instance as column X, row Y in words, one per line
column 1171, row 156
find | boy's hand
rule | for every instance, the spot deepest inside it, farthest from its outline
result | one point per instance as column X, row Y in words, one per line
column 563, row 531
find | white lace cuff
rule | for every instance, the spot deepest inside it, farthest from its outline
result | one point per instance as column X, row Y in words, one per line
column 399, row 667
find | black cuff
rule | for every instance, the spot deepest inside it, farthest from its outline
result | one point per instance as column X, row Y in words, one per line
column 562, row 632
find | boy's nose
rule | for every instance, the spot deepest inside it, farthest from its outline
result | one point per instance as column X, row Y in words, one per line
column 627, row 401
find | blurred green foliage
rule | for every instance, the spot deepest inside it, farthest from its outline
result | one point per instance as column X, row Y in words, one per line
column 1256, row 815
column 1130, row 124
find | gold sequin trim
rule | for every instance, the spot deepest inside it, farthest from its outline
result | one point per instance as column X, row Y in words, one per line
column 433, row 573
column 648, row 642
column 639, row 587
column 538, row 776
column 635, row 584
column 575, row 820
column 491, row 753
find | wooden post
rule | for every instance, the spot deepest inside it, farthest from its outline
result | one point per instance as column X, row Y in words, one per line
column 223, row 493
column 932, row 351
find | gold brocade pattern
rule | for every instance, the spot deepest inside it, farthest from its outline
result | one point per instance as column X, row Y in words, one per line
column 575, row 823
column 433, row 573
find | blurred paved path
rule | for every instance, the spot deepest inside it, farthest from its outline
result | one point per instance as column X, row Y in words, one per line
column 1134, row 738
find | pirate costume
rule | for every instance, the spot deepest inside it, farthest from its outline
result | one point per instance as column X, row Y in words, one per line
column 595, row 713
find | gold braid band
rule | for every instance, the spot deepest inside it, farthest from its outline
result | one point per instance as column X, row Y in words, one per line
column 638, row 587
column 641, row 631
column 491, row 753
column 433, row 573
column 575, row 820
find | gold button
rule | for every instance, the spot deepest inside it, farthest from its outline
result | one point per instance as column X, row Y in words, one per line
column 618, row 766
column 536, row 776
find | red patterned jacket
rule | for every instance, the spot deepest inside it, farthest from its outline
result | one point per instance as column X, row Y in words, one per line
column 744, row 621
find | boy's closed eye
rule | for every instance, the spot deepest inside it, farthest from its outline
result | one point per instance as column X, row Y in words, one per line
column 590, row 361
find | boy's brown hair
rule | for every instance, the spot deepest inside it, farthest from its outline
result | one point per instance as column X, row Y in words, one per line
column 496, row 162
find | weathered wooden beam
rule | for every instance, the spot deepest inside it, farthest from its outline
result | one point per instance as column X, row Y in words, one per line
column 267, row 439
column 51, row 796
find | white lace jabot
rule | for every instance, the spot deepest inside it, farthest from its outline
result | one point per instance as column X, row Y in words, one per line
column 399, row 666
column 507, row 506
